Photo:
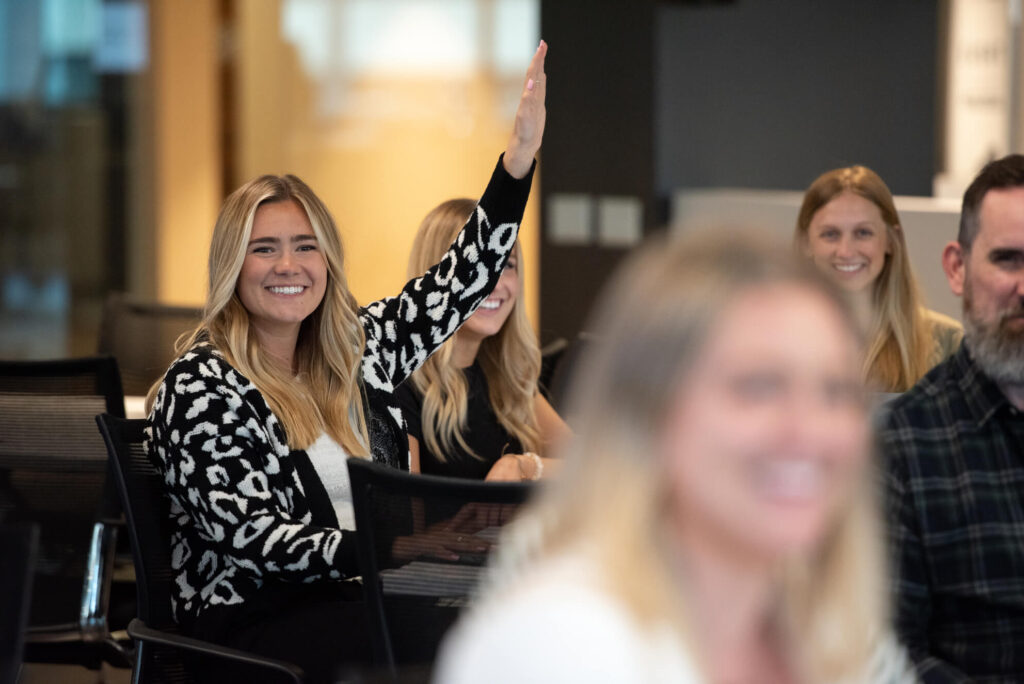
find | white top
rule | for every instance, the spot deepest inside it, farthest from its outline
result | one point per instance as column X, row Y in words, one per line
column 557, row 625
column 331, row 464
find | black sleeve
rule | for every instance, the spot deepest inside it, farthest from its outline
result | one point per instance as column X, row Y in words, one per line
column 402, row 331
column 411, row 403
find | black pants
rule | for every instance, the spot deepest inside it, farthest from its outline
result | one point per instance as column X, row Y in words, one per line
column 321, row 628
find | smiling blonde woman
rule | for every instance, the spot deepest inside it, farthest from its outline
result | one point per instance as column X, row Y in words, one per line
column 473, row 409
column 848, row 226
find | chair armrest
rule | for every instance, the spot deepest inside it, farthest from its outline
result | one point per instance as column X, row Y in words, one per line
column 99, row 570
column 137, row 629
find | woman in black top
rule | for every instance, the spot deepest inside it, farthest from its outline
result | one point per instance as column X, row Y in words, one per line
column 473, row 409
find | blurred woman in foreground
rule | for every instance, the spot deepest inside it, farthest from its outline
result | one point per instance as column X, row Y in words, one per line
column 715, row 521
column 848, row 226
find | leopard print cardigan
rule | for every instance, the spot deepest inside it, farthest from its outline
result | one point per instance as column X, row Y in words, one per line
column 246, row 511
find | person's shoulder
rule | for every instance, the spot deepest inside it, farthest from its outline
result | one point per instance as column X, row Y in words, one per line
column 946, row 333
column 572, row 629
column 921, row 424
column 940, row 321
column 203, row 370
column 204, row 364
column 937, row 386
column 572, row 582
column 198, row 355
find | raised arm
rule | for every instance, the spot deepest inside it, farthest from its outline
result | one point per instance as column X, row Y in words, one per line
column 402, row 331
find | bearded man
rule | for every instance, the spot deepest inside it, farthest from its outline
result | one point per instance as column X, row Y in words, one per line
column 953, row 449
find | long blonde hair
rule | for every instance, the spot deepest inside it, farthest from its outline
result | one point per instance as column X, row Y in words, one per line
column 328, row 393
column 899, row 342
column 611, row 501
column 510, row 359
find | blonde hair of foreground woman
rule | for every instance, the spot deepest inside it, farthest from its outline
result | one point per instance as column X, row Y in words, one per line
column 899, row 348
column 331, row 339
column 510, row 359
column 612, row 500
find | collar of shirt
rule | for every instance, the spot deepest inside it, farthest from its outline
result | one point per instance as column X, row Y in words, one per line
column 983, row 397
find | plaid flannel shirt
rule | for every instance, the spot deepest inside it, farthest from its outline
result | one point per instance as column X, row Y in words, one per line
column 954, row 478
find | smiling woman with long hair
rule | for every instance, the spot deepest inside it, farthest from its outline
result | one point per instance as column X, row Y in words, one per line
column 284, row 379
column 849, row 227
column 473, row 409
column 715, row 518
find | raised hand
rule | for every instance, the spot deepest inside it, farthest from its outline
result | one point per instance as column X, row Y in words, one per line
column 528, row 127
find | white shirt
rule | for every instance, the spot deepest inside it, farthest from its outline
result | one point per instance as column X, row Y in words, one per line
column 557, row 625
column 331, row 464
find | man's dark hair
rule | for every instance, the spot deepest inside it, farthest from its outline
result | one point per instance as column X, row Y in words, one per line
column 1007, row 172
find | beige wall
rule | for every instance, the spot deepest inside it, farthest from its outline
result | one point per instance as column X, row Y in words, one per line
column 404, row 146
column 397, row 147
column 187, row 172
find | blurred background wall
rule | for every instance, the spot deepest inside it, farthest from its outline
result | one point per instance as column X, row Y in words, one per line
column 124, row 123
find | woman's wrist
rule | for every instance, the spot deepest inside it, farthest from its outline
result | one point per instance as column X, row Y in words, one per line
column 531, row 467
column 517, row 162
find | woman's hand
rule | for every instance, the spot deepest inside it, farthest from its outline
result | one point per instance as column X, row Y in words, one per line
column 439, row 542
column 528, row 128
column 505, row 469
column 477, row 516
column 516, row 468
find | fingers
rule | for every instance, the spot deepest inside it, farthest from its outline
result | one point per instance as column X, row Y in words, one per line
column 467, row 542
column 450, row 546
column 489, row 515
column 535, row 76
column 528, row 126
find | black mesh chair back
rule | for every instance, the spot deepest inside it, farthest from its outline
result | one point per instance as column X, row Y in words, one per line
column 53, row 472
column 423, row 542
column 141, row 336
column 146, row 509
column 163, row 654
column 18, row 544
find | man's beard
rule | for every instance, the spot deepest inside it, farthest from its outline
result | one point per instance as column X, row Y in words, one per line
column 995, row 347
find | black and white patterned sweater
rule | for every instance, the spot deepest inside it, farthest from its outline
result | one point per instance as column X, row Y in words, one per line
column 247, row 513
